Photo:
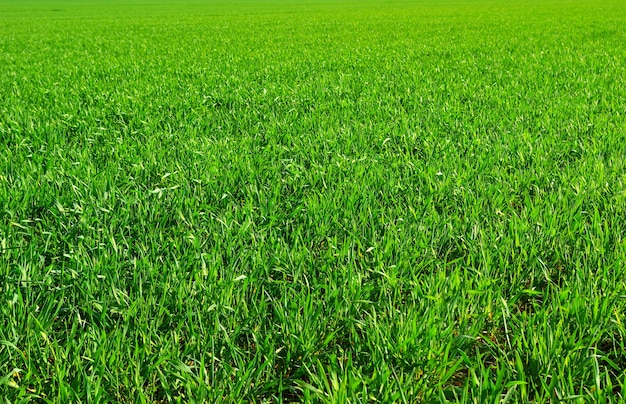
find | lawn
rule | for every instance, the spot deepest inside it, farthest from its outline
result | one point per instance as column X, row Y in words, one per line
column 379, row 201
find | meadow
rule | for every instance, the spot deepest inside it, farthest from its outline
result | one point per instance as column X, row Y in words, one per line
column 256, row 201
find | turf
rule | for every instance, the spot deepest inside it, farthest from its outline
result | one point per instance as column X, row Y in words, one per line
column 311, row 201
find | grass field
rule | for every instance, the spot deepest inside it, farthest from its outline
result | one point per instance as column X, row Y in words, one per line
column 310, row 201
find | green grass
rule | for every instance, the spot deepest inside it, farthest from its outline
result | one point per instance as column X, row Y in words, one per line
column 319, row 202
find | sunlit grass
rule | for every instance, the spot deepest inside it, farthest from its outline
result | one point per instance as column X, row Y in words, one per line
column 270, row 202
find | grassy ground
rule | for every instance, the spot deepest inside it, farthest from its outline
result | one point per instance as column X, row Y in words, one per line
column 266, row 202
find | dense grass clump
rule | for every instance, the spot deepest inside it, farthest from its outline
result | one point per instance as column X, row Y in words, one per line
column 319, row 202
